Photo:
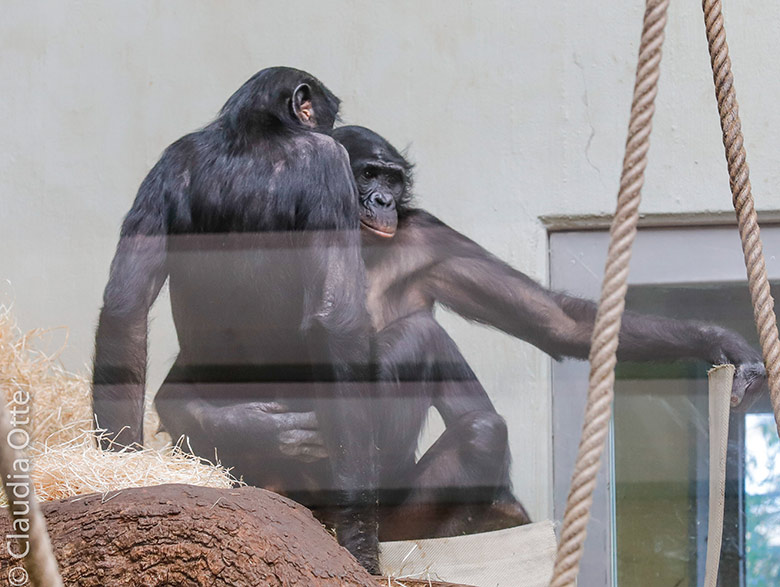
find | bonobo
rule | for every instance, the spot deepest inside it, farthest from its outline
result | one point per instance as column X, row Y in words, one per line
column 417, row 260
column 413, row 261
column 254, row 221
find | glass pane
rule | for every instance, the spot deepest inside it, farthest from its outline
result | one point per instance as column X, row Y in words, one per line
column 762, row 500
column 661, row 455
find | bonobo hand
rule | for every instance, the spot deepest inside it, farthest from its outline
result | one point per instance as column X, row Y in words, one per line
column 297, row 432
column 749, row 380
column 750, row 374
column 270, row 424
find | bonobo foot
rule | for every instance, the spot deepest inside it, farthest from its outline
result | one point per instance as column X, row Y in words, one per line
column 363, row 543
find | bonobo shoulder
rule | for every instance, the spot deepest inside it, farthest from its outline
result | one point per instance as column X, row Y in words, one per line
column 417, row 218
column 322, row 142
column 422, row 226
column 183, row 151
column 423, row 229
column 322, row 146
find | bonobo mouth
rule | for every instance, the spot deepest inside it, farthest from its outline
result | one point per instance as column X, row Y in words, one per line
column 383, row 231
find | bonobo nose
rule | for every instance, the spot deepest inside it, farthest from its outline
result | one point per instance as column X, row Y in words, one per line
column 383, row 200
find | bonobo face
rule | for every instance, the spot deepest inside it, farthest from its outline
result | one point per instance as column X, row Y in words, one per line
column 380, row 184
column 382, row 177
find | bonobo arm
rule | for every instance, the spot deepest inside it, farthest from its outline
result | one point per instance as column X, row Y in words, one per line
column 137, row 273
column 478, row 286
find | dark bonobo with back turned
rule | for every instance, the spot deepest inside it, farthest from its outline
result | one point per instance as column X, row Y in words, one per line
column 254, row 221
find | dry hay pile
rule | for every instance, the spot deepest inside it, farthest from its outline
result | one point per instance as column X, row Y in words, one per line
column 66, row 461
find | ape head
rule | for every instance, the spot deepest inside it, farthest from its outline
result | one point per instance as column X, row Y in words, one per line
column 383, row 178
column 280, row 97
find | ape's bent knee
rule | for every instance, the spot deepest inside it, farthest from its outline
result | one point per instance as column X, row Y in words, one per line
column 484, row 432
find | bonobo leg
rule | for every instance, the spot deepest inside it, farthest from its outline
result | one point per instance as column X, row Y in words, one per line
column 461, row 485
column 336, row 328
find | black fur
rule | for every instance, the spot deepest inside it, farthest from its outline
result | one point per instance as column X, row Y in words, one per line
column 462, row 483
column 426, row 262
column 430, row 262
column 254, row 221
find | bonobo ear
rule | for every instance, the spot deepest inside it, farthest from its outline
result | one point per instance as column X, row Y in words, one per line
column 302, row 106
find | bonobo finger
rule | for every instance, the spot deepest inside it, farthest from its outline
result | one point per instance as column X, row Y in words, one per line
column 299, row 421
column 301, row 437
column 275, row 407
column 304, row 452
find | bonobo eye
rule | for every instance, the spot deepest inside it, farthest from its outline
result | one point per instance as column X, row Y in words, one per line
column 395, row 179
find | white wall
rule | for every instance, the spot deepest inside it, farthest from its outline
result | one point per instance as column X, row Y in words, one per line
column 513, row 111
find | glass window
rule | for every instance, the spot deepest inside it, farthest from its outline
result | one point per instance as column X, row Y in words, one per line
column 650, row 515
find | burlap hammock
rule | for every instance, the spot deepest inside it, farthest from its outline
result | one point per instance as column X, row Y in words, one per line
column 42, row 566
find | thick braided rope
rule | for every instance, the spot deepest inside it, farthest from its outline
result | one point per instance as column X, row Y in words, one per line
column 40, row 562
column 742, row 197
column 605, row 334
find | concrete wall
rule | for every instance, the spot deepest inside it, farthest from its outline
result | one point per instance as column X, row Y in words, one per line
column 512, row 110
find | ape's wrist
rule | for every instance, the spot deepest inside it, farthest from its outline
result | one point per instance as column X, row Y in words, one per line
column 726, row 346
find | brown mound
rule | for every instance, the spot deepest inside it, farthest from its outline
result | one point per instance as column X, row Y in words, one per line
column 187, row 535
